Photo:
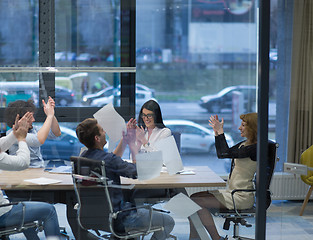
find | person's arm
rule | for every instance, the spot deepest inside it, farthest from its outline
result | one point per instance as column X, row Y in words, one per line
column 218, row 126
column 17, row 162
column 49, row 123
column 130, row 139
column 119, row 150
column 7, row 141
column 223, row 151
column 121, row 167
column 140, row 136
column 55, row 127
column 21, row 160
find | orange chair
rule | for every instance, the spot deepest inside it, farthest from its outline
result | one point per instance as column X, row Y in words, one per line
column 307, row 159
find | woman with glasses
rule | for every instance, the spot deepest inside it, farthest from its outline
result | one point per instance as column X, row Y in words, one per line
column 150, row 129
column 150, row 126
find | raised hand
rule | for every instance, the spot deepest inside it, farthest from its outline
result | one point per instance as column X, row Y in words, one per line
column 21, row 126
column 140, row 135
column 132, row 123
column 49, row 107
column 130, row 136
column 216, row 124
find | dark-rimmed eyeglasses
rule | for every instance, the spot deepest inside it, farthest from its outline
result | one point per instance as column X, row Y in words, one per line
column 149, row 116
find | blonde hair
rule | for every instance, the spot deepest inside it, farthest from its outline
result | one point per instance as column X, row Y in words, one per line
column 252, row 125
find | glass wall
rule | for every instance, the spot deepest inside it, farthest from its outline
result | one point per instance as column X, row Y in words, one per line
column 196, row 58
column 200, row 58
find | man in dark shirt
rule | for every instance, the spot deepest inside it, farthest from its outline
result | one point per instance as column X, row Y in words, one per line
column 92, row 135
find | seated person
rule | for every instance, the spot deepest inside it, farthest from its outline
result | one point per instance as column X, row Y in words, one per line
column 36, row 136
column 150, row 127
column 92, row 135
column 241, row 175
column 41, row 211
column 150, row 130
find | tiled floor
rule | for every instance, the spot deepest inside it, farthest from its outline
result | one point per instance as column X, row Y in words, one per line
column 283, row 222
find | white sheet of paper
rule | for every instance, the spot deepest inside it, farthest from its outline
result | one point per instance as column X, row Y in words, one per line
column 182, row 206
column 43, row 181
column 112, row 123
column 170, row 154
column 149, row 165
column 62, row 169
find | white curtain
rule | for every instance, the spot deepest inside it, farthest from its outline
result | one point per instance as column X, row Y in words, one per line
column 300, row 135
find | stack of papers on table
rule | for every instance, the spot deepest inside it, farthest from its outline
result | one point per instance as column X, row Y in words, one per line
column 43, row 181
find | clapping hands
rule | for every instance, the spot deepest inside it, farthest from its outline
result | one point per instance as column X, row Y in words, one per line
column 216, row 124
column 21, row 126
column 130, row 135
column 49, row 106
column 140, row 131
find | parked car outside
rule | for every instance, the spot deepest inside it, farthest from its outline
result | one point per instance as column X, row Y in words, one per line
column 148, row 55
column 87, row 57
column 105, row 96
column 223, row 100
column 195, row 138
column 65, row 56
column 88, row 98
column 64, row 96
column 63, row 146
column 273, row 56
column 141, row 98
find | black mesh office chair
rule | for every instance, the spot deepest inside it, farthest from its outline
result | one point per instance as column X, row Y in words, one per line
column 6, row 231
column 95, row 210
column 239, row 216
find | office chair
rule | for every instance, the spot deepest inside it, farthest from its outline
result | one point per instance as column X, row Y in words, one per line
column 95, row 210
column 307, row 159
column 239, row 216
column 6, row 231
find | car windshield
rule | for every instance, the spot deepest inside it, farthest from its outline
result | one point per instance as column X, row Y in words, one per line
column 224, row 91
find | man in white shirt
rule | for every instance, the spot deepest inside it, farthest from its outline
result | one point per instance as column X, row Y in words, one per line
column 11, row 215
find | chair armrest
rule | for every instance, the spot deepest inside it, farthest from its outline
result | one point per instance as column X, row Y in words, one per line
column 239, row 190
column 9, row 204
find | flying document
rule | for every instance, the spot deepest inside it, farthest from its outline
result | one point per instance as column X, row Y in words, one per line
column 149, row 165
column 170, row 154
column 112, row 123
column 182, row 206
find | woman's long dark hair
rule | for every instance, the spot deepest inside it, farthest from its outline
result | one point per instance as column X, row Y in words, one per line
column 153, row 106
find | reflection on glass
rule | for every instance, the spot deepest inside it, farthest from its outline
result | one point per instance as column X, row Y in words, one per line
column 62, row 147
column 87, row 33
column 239, row 6
column 19, row 32
column 17, row 86
column 86, row 89
column 199, row 57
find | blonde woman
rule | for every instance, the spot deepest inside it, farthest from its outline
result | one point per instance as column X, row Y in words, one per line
column 241, row 175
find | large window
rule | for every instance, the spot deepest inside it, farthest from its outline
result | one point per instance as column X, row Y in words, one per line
column 195, row 57
column 199, row 57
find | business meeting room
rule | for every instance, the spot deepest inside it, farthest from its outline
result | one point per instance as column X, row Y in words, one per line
column 156, row 119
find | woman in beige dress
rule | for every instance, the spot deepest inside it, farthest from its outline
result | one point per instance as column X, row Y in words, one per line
column 241, row 175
